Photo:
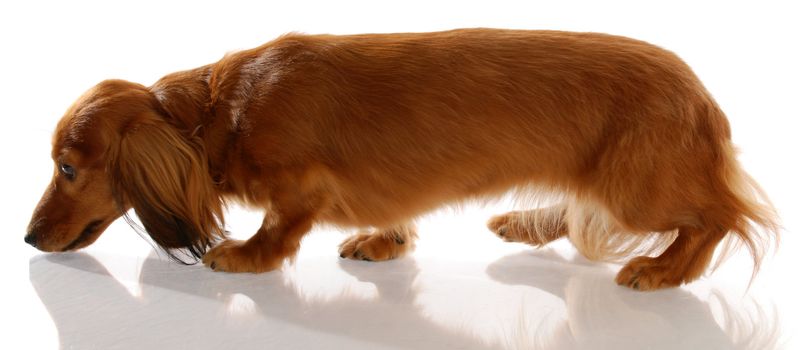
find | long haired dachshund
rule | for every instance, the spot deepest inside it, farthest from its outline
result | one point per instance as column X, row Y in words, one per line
column 375, row 130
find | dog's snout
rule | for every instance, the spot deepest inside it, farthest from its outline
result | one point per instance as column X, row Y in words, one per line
column 31, row 238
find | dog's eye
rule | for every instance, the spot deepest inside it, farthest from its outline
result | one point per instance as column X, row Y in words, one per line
column 67, row 171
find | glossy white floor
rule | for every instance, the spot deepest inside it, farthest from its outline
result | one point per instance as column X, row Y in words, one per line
column 462, row 288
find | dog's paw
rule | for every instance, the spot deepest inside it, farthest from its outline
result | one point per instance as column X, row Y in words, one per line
column 510, row 229
column 500, row 225
column 375, row 246
column 647, row 274
column 236, row 256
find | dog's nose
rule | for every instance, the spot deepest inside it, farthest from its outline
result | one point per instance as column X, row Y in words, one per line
column 33, row 228
column 31, row 238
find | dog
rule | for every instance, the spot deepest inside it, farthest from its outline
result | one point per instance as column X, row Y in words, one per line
column 374, row 130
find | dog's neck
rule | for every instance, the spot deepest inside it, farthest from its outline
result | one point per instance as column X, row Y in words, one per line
column 186, row 100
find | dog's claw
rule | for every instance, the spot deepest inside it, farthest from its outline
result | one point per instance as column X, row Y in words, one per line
column 213, row 265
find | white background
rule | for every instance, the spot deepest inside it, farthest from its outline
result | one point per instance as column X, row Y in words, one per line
column 462, row 288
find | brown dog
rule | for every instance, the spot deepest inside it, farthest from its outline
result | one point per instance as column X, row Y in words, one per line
column 374, row 130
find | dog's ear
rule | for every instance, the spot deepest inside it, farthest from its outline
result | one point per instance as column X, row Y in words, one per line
column 164, row 177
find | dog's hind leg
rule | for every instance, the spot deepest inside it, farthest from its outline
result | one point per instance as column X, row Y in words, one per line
column 683, row 261
column 535, row 227
column 382, row 244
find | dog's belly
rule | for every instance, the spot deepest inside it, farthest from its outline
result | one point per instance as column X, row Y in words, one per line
column 387, row 199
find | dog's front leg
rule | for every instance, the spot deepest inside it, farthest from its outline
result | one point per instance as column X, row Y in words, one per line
column 278, row 238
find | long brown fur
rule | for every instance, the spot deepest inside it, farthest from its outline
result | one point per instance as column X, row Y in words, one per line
column 375, row 130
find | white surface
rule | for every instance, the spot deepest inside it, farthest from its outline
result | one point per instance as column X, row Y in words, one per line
column 462, row 288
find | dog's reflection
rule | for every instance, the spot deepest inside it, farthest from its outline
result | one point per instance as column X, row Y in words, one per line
column 602, row 315
column 91, row 309
column 187, row 307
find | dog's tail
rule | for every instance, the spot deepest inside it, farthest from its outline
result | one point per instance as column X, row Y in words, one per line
column 751, row 217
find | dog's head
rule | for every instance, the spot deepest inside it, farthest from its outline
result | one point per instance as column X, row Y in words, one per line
column 117, row 149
